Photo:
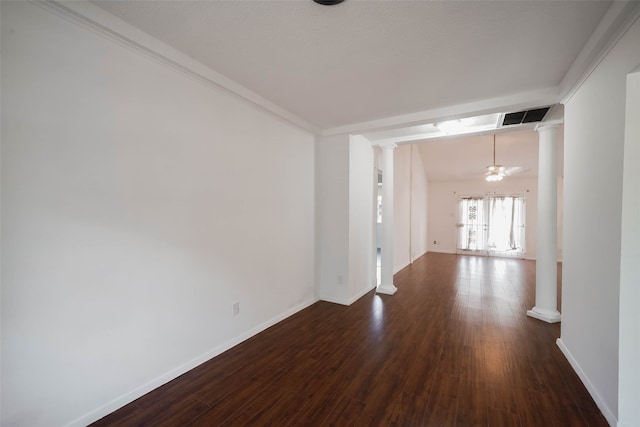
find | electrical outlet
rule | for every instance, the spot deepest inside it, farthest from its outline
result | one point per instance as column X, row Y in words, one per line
column 435, row 242
column 236, row 308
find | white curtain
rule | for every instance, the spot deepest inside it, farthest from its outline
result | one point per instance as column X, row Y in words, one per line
column 495, row 224
column 471, row 221
column 506, row 224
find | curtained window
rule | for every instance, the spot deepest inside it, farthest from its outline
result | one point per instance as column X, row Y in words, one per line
column 492, row 225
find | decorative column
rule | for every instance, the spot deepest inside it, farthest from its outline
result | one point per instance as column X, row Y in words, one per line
column 386, row 251
column 546, row 307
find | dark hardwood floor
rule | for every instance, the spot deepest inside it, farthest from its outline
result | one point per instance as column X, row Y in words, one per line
column 452, row 347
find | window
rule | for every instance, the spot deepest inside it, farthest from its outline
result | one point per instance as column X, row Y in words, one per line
column 491, row 225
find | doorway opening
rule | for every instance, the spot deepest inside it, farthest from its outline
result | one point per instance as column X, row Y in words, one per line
column 491, row 226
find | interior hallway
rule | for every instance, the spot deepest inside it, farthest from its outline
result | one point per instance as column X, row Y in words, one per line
column 452, row 347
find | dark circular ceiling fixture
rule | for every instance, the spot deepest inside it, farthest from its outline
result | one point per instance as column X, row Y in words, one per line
column 328, row 2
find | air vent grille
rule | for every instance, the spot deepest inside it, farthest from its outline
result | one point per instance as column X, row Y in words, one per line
column 527, row 116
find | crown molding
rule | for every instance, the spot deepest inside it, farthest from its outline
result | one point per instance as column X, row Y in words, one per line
column 387, row 145
column 97, row 20
column 514, row 102
column 620, row 16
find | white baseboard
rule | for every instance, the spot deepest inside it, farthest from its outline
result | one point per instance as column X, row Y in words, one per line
column 611, row 419
column 347, row 302
column 399, row 269
column 448, row 251
column 360, row 295
column 340, row 301
column 443, row 251
column 415, row 257
column 129, row 397
column 530, row 258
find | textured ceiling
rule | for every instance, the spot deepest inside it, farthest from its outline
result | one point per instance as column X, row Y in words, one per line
column 369, row 60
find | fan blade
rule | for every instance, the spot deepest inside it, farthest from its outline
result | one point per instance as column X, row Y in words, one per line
column 494, row 169
column 512, row 170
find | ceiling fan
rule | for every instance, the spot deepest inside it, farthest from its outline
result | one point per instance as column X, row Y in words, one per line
column 496, row 172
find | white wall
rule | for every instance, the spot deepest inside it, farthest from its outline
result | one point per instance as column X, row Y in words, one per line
column 419, row 205
column 443, row 208
column 410, row 189
column 137, row 205
column 401, row 207
column 345, row 242
column 594, row 142
column 629, row 374
column 440, row 155
column 362, row 183
column 332, row 204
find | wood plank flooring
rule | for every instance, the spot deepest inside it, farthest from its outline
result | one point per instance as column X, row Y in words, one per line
column 453, row 347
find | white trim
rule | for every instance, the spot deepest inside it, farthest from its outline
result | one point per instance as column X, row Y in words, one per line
column 387, row 289
column 549, row 316
column 413, row 259
column 513, row 102
column 360, row 295
column 399, row 269
column 409, row 139
column 390, row 145
column 348, row 302
column 104, row 24
column 618, row 19
column 339, row 301
column 443, row 251
column 615, row 23
column 129, row 397
column 611, row 419
column 530, row 258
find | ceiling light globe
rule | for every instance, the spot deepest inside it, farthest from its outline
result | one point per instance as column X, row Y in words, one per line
column 493, row 177
column 450, row 126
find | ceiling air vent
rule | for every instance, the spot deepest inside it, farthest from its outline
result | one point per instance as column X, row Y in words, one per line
column 528, row 116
